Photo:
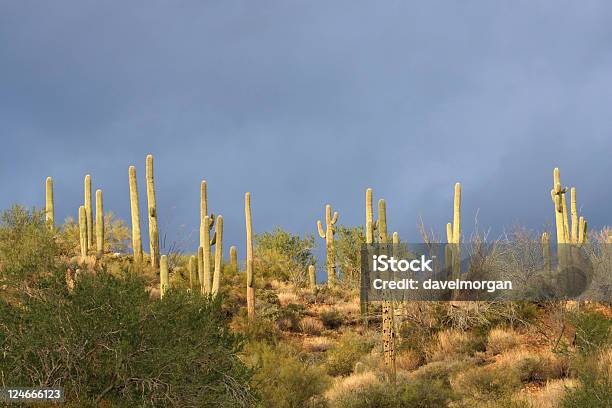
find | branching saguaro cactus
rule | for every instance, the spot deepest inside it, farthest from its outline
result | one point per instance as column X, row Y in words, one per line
column 566, row 233
column 193, row 273
column 83, row 232
column 203, row 213
column 557, row 194
column 88, row 210
column 49, row 204
column 164, row 279
column 152, row 213
column 387, row 307
column 312, row 277
column 249, row 258
column 233, row 259
column 136, row 238
column 218, row 256
column 328, row 236
column 99, row 224
column 452, row 252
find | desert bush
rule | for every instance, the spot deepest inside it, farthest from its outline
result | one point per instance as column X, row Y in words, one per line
column 310, row 325
column 500, row 340
column 593, row 330
column 331, row 319
column 27, row 246
column 281, row 255
column 450, row 344
column 417, row 394
column 117, row 235
column 531, row 366
column 108, row 342
column 350, row 384
column 594, row 372
column 259, row 330
column 408, row 360
column 283, row 381
column 549, row 396
column 348, row 242
column 349, row 349
column 486, row 383
column 317, row 344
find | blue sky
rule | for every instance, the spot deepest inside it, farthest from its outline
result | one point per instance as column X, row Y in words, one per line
column 308, row 103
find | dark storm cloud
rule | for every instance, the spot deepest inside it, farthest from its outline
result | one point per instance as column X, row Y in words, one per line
column 304, row 103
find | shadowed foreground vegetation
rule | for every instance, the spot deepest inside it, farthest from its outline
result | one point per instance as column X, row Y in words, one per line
column 100, row 331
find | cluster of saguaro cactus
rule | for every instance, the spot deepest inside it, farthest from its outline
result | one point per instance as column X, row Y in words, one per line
column 566, row 234
column 328, row 235
column 152, row 213
column 250, row 278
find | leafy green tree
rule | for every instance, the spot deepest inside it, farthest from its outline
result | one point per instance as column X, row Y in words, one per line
column 284, row 256
column 348, row 252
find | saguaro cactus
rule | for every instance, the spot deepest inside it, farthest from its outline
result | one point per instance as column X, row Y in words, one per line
column 136, row 239
column 387, row 307
column 233, row 259
column 249, row 258
column 88, row 210
column 49, row 205
column 83, row 231
column 99, row 224
column 328, row 236
column 574, row 209
column 312, row 277
column 201, row 269
column 457, row 215
column 206, row 284
column 218, row 256
column 164, row 281
column 557, row 194
column 371, row 224
column 193, row 277
column 546, row 251
column 203, row 213
column 152, row 213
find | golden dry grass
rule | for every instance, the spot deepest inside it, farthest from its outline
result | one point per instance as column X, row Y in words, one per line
column 449, row 344
column 548, row 396
column 500, row 340
column 317, row 344
column 311, row 326
column 351, row 383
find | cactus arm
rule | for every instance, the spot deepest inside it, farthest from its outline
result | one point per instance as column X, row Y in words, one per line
column 320, row 229
column 449, row 232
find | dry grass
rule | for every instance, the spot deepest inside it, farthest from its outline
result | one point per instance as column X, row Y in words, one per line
column 500, row 340
column 317, row 344
column 451, row 344
column 286, row 297
column 535, row 366
column 408, row 360
column 351, row 383
column 548, row 396
column 311, row 326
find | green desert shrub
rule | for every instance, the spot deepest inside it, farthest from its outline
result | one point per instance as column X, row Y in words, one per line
column 283, row 380
column 109, row 343
column 595, row 388
column 593, row 330
column 27, row 246
column 348, row 242
column 331, row 319
column 415, row 394
column 349, row 349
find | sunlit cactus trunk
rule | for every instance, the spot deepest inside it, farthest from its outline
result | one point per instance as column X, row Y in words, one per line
column 152, row 214
column 49, row 204
column 387, row 307
column 206, row 283
column 218, row 256
column 164, row 280
column 135, row 209
column 99, row 224
column 328, row 235
column 233, row 259
column 83, row 232
column 193, row 273
column 312, row 277
column 250, row 278
column 88, row 210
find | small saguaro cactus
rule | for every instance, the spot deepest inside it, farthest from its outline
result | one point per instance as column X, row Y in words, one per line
column 233, row 259
column 88, row 210
column 83, row 231
column 582, row 230
column 557, row 195
column 371, row 224
column 193, row 273
column 249, row 258
column 135, row 209
column 218, row 256
column 312, row 277
column 99, row 224
column 152, row 213
column 328, row 236
column 546, row 251
column 49, row 205
column 457, row 215
column 164, row 281
column 574, row 209
column 453, row 234
column 200, row 260
column 203, row 213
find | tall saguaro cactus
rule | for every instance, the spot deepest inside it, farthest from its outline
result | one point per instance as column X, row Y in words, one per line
column 328, row 236
column 136, row 238
column 203, row 213
column 557, row 195
column 387, row 307
column 218, row 256
column 83, row 232
column 249, row 258
column 49, row 204
column 371, row 224
column 206, row 279
column 574, row 209
column 312, row 277
column 152, row 213
column 457, row 215
column 88, row 210
column 193, row 277
column 99, row 224
column 164, row 279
